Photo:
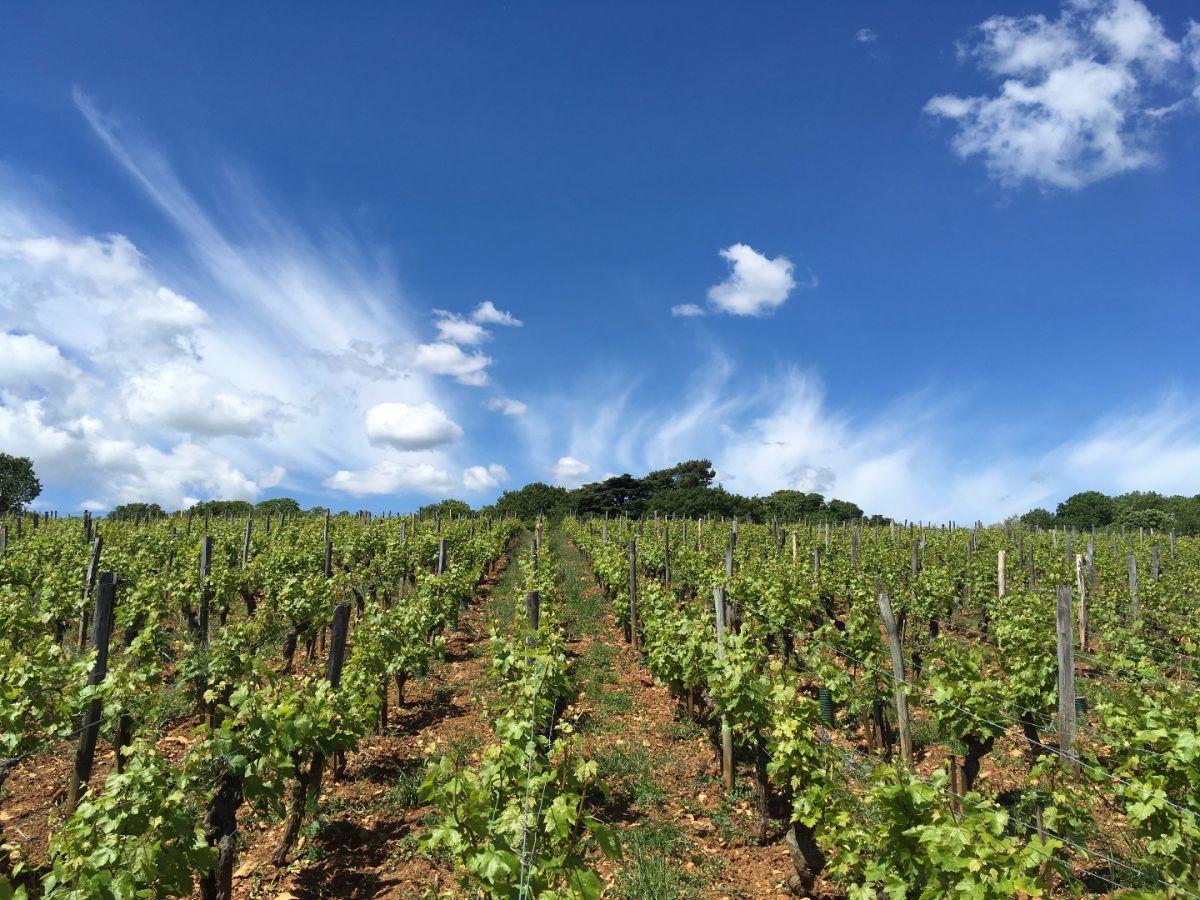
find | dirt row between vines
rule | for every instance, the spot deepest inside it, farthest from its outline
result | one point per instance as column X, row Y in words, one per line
column 682, row 834
column 365, row 839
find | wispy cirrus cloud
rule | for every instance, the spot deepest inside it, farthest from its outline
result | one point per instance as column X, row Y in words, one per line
column 907, row 458
column 1079, row 95
column 191, row 374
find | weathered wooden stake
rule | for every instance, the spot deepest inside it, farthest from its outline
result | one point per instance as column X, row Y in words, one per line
column 1131, row 561
column 634, row 624
column 206, row 549
column 1001, row 573
column 1063, row 621
column 893, row 633
column 89, row 582
column 1081, row 586
column 85, row 754
column 726, row 731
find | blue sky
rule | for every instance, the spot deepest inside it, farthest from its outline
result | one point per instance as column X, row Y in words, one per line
column 941, row 265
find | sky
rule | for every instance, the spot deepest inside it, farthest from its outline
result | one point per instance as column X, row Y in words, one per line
column 939, row 264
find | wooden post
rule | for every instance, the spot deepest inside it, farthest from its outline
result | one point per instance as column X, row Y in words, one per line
column 1001, row 573
column 1154, row 562
column 85, row 755
column 893, row 633
column 793, row 547
column 1131, row 560
column 1066, row 675
column 634, row 636
column 333, row 674
column 667, row 558
column 246, row 541
column 726, row 731
column 1081, row 586
column 533, row 609
column 854, row 549
column 205, row 591
column 441, row 561
column 89, row 582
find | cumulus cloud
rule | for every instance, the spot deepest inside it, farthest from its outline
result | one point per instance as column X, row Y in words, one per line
column 388, row 477
column 454, row 329
column 756, row 285
column 507, row 405
column 441, row 358
column 189, row 400
column 478, row 478
column 27, row 362
column 406, row 426
column 487, row 314
column 569, row 471
column 866, row 36
column 687, row 310
column 1078, row 95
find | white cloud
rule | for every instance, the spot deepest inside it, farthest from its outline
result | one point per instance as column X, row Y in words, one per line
column 27, row 362
column 687, row 310
column 187, row 399
column 405, row 426
column 1078, row 97
column 449, row 359
column 454, row 329
column 756, row 285
column 388, row 477
column 244, row 352
column 569, row 471
column 921, row 456
column 866, row 36
column 1191, row 49
column 507, row 405
column 478, row 478
column 487, row 313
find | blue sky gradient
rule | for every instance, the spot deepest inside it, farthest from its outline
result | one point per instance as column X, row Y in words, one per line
column 968, row 237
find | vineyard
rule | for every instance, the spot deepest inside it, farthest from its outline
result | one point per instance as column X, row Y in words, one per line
column 399, row 706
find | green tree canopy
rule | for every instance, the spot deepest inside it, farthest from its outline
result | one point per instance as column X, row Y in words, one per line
column 137, row 511
column 19, row 486
column 532, row 499
column 1085, row 509
column 278, row 506
column 443, row 508
column 237, row 508
column 1038, row 518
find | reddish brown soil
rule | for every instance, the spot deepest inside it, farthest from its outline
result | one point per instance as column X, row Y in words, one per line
column 366, row 843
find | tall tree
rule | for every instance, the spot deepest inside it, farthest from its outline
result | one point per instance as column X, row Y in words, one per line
column 19, row 486
column 135, row 510
column 1085, row 509
column 278, row 506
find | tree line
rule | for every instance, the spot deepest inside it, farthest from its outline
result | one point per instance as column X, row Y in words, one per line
column 1136, row 509
column 684, row 489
